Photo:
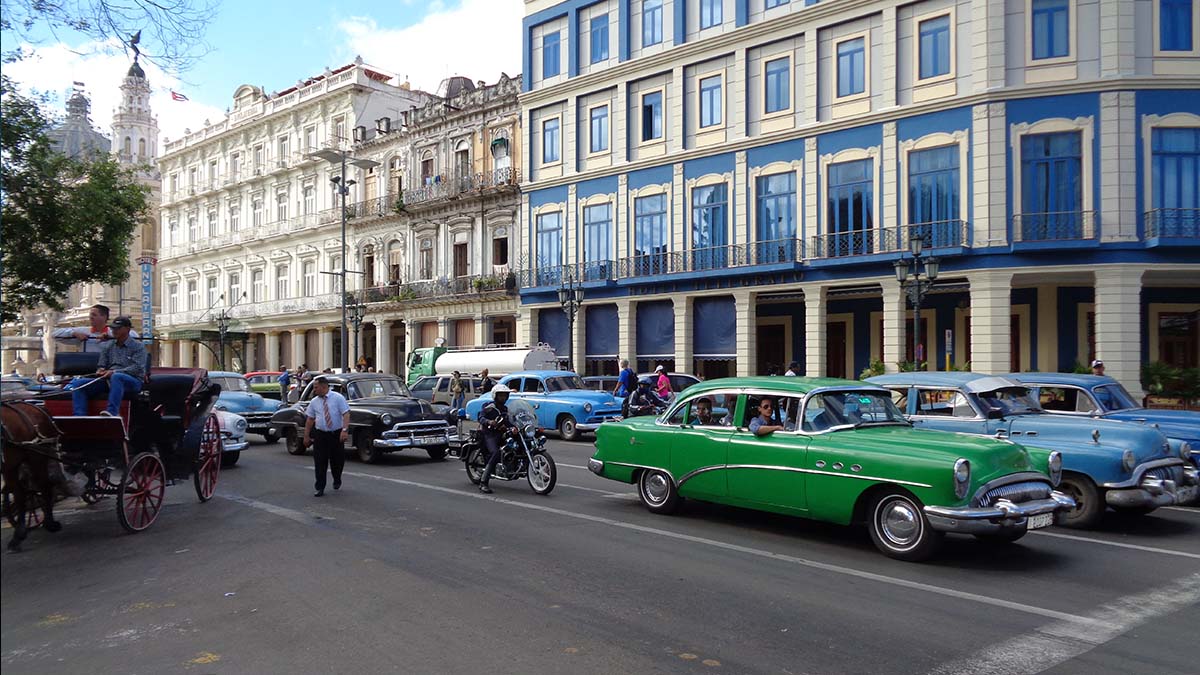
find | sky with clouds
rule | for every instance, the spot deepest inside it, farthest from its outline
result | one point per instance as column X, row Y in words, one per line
column 273, row 43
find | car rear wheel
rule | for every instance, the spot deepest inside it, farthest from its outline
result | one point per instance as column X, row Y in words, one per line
column 367, row 453
column 436, row 454
column 292, row 442
column 658, row 492
column 900, row 530
column 271, row 436
column 1089, row 503
column 568, row 429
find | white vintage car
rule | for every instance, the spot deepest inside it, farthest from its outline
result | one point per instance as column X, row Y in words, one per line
column 233, row 436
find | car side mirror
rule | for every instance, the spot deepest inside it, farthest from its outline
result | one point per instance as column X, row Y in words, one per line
column 995, row 414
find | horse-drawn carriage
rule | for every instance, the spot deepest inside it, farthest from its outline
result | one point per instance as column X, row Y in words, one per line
column 162, row 434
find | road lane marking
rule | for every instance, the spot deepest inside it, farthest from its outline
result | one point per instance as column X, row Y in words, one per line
column 606, row 493
column 573, row 466
column 1058, row 642
column 1136, row 547
column 813, row 564
column 1181, row 509
column 290, row 514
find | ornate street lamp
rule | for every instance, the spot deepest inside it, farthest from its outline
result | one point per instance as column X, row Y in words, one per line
column 357, row 311
column 570, row 296
column 916, row 287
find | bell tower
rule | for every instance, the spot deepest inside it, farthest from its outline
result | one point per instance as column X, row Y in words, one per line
column 134, row 128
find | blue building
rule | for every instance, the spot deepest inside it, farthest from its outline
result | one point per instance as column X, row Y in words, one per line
column 733, row 180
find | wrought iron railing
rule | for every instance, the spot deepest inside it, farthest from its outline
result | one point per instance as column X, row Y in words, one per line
column 1054, row 226
column 453, row 185
column 432, row 289
column 1172, row 223
column 846, row 244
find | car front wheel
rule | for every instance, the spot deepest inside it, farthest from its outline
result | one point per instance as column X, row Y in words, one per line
column 900, row 530
column 228, row 459
column 1089, row 503
column 292, row 442
column 568, row 429
column 367, row 453
column 658, row 492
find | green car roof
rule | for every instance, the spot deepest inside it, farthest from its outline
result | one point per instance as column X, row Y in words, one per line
column 795, row 385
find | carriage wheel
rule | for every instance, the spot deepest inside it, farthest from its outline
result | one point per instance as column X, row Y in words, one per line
column 33, row 510
column 208, row 464
column 140, row 495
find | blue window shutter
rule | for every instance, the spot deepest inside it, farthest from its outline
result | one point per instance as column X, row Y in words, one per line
column 552, row 329
column 1175, row 25
column 550, row 54
column 601, row 334
column 656, row 330
column 714, row 325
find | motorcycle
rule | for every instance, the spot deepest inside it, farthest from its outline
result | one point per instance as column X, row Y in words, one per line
column 522, row 455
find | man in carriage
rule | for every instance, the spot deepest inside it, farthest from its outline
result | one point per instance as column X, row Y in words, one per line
column 122, row 369
column 95, row 336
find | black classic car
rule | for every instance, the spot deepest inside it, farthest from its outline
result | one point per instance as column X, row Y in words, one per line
column 384, row 417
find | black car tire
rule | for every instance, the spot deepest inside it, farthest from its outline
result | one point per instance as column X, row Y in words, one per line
column 899, row 528
column 1089, row 502
column 437, row 454
column 228, row 459
column 1005, row 536
column 367, row 453
column 568, row 429
column 657, row 491
column 271, row 435
column 291, row 438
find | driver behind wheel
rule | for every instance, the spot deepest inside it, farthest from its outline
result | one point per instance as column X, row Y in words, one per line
column 492, row 421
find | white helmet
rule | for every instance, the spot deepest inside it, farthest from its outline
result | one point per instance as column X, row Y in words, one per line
column 501, row 389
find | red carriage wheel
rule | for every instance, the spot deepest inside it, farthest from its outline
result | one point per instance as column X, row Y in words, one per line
column 33, row 509
column 141, row 493
column 208, row 463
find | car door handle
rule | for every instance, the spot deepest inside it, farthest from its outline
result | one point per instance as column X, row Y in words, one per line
column 1001, row 433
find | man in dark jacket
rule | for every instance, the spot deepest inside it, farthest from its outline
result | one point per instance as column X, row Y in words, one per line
column 493, row 420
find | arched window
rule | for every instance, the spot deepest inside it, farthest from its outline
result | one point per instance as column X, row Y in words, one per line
column 141, row 147
column 128, row 146
column 396, row 175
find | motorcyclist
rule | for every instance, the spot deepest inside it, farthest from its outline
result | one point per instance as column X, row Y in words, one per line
column 493, row 420
column 642, row 398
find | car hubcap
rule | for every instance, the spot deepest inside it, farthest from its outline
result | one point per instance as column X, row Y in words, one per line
column 899, row 523
column 656, row 488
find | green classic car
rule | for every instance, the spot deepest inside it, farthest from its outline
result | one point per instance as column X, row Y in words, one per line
column 832, row 450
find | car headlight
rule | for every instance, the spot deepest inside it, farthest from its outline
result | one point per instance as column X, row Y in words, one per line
column 386, row 418
column 1128, row 460
column 241, row 424
column 1054, row 464
column 962, row 478
column 587, row 407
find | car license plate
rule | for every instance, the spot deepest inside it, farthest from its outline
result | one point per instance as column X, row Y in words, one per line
column 429, row 440
column 1041, row 520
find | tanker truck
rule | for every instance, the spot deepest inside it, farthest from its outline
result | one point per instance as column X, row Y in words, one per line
column 498, row 361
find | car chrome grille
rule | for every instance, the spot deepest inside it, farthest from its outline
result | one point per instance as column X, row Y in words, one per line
column 256, row 416
column 1025, row 491
column 1174, row 473
column 418, row 429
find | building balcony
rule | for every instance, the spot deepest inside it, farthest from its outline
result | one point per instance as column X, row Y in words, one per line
column 1055, row 227
column 1172, row 224
column 943, row 234
column 436, row 291
column 252, row 310
column 452, row 186
column 370, row 208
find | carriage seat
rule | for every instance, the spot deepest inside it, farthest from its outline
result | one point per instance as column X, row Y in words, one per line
column 171, row 392
column 76, row 363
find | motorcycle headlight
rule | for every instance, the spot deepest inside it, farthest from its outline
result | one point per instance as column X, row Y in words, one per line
column 962, row 478
column 1128, row 460
column 587, row 407
column 386, row 418
column 1054, row 464
column 529, row 430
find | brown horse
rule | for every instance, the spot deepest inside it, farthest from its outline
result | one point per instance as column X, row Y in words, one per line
column 30, row 453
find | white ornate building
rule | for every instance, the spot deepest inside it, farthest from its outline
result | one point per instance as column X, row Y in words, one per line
column 436, row 233
column 251, row 222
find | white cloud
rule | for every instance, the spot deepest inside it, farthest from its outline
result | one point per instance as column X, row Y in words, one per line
column 477, row 39
column 52, row 68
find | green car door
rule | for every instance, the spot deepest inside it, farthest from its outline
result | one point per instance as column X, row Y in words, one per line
column 768, row 470
column 698, row 451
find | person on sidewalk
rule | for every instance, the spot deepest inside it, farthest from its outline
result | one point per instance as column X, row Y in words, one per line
column 626, row 381
column 122, row 367
column 327, row 430
column 457, row 390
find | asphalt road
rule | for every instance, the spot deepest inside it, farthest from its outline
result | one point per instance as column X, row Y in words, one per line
column 409, row 569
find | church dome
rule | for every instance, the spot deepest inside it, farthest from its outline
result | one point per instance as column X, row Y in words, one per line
column 136, row 71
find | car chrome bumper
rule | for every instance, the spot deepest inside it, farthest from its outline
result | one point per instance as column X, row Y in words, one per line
column 234, row 446
column 595, row 466
column 991, row 519
column 418, row 442
column 1152, row 493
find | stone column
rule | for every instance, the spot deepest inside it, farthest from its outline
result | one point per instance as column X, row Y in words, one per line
column 989, row 175
column 895, row 324
column 483, row 336
column 383, row 346
column 206, row 360
column 272, row 350
column 1047, row 328
column 250, row 357
column 987, row 40
column 1118, row 326
column 626, row 337
column 185, row 354
column 891, row 218
column 166, row 353
column 1118, row 155
column 328, row 358
column 991, row 321
column 298, row 352
column 579, row 348
column 746, row 309
column 684, row 352
column 815, row 298
column 527, row 327
column 887, row 56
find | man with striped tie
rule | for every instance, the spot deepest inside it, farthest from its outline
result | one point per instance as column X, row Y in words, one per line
column 326, row 430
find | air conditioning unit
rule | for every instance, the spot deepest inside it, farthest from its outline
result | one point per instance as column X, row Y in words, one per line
column 360, row 133
column 383, row 125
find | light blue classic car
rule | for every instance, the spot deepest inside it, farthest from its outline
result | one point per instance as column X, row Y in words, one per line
column 237, row 398
column 1130, row 467
column 561, row 400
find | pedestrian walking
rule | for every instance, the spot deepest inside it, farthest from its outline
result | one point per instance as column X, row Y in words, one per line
column 626, row 381
column 326, row 430
column 457, row 391
column 485, row 382
column 285, row 378
column 662, row 385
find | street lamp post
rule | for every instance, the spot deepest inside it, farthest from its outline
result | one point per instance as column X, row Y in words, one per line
column 570, row 296
column 340, row 158
column 916, row 287
column 357, row 310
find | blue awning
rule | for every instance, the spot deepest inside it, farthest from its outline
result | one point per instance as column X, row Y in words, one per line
column 552, row 329
column 656, row 330
column 601, row 332
column 714, row 327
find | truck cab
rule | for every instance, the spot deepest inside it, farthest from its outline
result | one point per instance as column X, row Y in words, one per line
column 421, row 363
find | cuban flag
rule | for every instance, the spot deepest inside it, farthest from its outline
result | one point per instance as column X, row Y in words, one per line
column 176, row 96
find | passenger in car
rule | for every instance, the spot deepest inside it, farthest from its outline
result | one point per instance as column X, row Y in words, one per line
column 764, row 423
column 704, row 415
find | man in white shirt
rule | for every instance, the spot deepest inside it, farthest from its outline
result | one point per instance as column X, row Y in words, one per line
column 92, row 338
column 327, row 430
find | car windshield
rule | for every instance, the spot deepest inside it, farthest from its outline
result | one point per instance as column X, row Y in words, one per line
column 563, row 383
column 851, row 408
column 231, row 383
column 378, row 388
column 1113, row 397
column 1010, row 400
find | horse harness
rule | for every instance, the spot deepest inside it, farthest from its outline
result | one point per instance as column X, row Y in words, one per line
column 40, row 441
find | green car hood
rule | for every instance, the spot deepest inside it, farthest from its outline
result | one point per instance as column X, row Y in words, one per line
column 989, row 457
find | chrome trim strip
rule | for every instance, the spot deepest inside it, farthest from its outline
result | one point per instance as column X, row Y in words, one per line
column 793, row 469
column 1004, row 509
column 1141, row 469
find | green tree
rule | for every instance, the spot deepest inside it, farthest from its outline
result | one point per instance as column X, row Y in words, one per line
column 64, row 220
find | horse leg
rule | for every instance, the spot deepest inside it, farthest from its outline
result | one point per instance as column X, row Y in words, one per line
column 46, row 486
column 17, row 515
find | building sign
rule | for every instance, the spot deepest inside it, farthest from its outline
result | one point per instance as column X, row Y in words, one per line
column 147, row 264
